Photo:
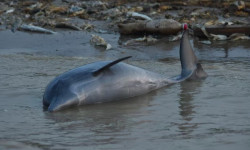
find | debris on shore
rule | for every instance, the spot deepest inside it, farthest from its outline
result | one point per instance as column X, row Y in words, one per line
column 219, row 33
column 226, row 30
column 33, row 28
column 67, row 26
column 146, row 39
column 225, row 17
column 99, row 41
column 138, row 16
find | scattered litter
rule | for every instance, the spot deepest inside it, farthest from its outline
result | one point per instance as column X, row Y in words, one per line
column 99, row 41
column 175, row 38
column 34, row 8
column 145, row 39
column 101, row 31
column 10, row 11
column 164, row 8
column 138, row 16
column 232, row 37
column 76, row 11
column 147, row 18
column 207, row 42
column 113, row 12
column 227, row 30
column 218, row 22
column 238, row 36
column 14, row 23
column 67, row 25
column 229, row 23
column 237, row 5
column 87, row 26
column 37, row 29
column 57, row 9
column 213, row 36
column 218, row 37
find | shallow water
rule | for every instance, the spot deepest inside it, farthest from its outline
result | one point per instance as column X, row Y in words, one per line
column 209, row 114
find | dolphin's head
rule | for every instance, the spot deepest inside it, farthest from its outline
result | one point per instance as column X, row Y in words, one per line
column 58, row 95
column 191, row 68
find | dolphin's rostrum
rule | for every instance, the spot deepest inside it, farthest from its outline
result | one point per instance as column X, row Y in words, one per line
column 113, row 80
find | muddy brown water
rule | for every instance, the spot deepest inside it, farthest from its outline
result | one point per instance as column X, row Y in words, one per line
column 209, row 114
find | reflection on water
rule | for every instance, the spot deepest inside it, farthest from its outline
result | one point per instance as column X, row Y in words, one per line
column 108, row 115
column 223, row 49
column 188, row 90
column 102, row 123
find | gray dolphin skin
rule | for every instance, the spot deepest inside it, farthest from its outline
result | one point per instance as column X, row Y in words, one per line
column 106, row 81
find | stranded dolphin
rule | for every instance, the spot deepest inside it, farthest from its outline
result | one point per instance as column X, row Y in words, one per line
column 113, row 80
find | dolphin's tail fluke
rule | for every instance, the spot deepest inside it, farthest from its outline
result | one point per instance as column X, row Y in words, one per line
column 190, row 68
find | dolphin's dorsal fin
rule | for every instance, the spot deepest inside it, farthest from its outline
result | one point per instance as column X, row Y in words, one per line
column 97, row 72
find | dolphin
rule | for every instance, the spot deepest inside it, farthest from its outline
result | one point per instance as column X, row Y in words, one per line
column 106, row 81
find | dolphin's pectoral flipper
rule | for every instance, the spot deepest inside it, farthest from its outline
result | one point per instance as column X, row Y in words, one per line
column 97, row 72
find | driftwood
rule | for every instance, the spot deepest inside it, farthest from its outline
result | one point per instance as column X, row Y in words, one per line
column 162, row 26
column 222, row 30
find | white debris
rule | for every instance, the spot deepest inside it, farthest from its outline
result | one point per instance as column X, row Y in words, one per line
column 238, row 36
column 108, row 46
column 10, row 11
column 218, row 22
column 99, row 41
column 138, row 16
column 148, row 40
column 175, row 38
column 232, row 37
column 213, row 36
column 207, row 42
column 33, row 28
column 74, row 9
column 218, row 37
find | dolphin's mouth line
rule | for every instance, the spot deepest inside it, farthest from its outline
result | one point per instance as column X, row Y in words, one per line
column 70, row 103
